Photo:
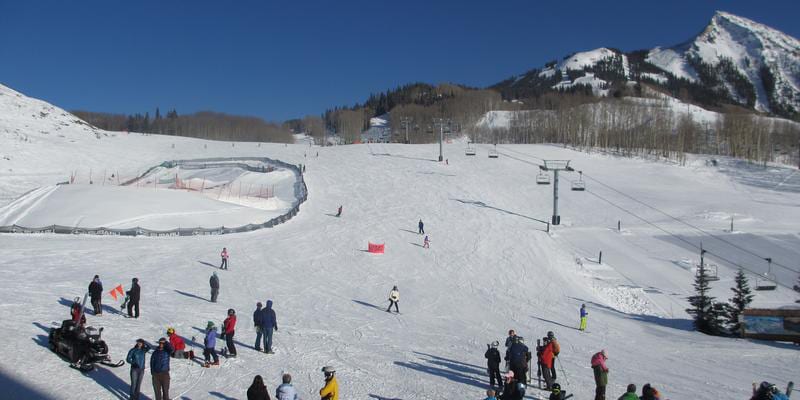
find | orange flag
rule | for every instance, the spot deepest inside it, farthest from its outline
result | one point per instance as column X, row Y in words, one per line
column 113, row 293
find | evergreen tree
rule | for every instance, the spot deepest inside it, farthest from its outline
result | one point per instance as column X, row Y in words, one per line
column 706, row 313
column 742, row 297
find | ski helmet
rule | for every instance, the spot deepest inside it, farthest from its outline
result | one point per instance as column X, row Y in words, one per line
column 551, row 335
column 495, row 343
column 231, row 311
column 77, row 300
column 328, row 371
column 170, row 330
column 556, row 388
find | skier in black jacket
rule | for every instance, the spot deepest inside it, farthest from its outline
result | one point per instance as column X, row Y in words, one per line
column 133, row 298
column 96, row 293
column 518, row 356
column 493, row 364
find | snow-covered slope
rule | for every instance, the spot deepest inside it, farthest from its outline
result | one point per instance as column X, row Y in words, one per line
column 753, row 48
column 491, row 267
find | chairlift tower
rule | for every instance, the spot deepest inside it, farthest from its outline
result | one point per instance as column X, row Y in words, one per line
column 556, row 166
column 405, row 121
column 441, row 122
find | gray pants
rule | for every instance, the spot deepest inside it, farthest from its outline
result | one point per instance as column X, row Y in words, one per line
column 214, row 294
column 137, row 374
column 161, row 385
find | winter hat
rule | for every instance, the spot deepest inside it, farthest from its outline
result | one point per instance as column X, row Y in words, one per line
column 162, row 340
column 631, row 388
column 603, row 352
column 510, row 375
column 170, row 330
column 97, row 277
column 259, row 304
column 210, row 325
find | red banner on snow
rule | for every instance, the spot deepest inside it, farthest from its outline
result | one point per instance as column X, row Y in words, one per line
column 375, row 248
column 116, row 290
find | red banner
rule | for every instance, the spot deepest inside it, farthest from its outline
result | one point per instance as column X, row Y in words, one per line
column 375, row 248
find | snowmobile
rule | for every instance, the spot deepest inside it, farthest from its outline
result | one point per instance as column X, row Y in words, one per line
column 83, row 347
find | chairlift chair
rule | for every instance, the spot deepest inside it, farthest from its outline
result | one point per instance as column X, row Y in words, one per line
column 711, row 272
column 542, row 178
column 493, row 152
column 579, row 185
column 470, row 150
column 767, row 281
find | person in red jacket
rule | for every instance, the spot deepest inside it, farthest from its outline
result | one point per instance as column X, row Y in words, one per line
column 76, row 312
column 228, row 328
column 178, row 345
column 548, row 355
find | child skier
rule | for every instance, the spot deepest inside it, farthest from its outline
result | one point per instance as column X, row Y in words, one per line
column 224, row 256
column 426, row 244
column 209, row 343
column 228, row 327
column 584, row 313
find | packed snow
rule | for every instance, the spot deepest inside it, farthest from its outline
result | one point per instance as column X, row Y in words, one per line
column 492, row 266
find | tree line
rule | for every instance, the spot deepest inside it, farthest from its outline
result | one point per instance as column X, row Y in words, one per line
column 203, row 125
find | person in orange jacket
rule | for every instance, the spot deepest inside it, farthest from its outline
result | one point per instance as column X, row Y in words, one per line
column 331, row 389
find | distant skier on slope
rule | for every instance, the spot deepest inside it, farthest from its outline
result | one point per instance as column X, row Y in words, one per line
column 518, row 356
column 269, row 322
column 421, row 227
column 229, row 328
column 339, row 211
column 96, row 293
column 224, row 256
column 133, row 298
column 492, row 356
column 584, row 314
column 214, row 283
column 394, row 298
column 600, row 374
column 257, row 322
column 426, row 244
column 209, row 345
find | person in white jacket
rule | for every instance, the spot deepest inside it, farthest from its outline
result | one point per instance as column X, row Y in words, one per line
column 394, row 298
column 286, row 391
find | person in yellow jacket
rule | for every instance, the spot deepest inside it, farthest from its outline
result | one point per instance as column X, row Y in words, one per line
column 331, row 389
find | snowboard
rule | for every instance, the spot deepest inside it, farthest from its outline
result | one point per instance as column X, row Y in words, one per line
column 125, row 302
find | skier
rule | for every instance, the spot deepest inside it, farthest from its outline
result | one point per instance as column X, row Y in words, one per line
column 133, row 298
column 649, row 393
column 514, row 388
column 75, row 311
column 286, row 391
column 339, row 212
column 584, row 313
column 767, row 391
column 518, row 357
column 509, row 341
column 421, row 227
column 159, row 369
column 426, row 244
column 209, row 344
column 178, row 345
column 229, row 328
column 492, row 356
column 556, row 350
column 630, row 393
column 547, row 363
column 96, row 292
column 136, row 360
column 257, row 319
column 258, row 391
column 394, row 298
column 490, row 395
column 269, row 321
column 600, row 374
column 224, row 256
column 557, row 394
column 331, row 389
column 214, row 283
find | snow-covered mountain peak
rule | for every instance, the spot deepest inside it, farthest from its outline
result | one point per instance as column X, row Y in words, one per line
column 23, row 116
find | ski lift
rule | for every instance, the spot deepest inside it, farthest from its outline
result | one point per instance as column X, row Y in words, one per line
column 493, row 152
column 579, row 185
column 710, row 270
column 542, row 178
column 767, row 281
column 470, row 150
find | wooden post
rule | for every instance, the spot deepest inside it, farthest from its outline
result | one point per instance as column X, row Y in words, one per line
column 619, row 226
column 600, row 258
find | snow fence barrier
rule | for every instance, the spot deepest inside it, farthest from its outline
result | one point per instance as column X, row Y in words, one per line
column 375, row 248
column 300, row 194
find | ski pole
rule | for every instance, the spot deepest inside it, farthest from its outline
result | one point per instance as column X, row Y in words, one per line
column 564, row 374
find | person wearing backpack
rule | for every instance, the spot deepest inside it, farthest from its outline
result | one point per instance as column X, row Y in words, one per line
column 600, row 374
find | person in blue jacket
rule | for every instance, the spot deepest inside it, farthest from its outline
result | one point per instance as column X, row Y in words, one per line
column 209, row 345
column 136, row 360
column 269, row 321
column 159, row 369
column 257, row 318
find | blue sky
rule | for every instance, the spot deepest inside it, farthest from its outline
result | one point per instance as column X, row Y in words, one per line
column 285, row 59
